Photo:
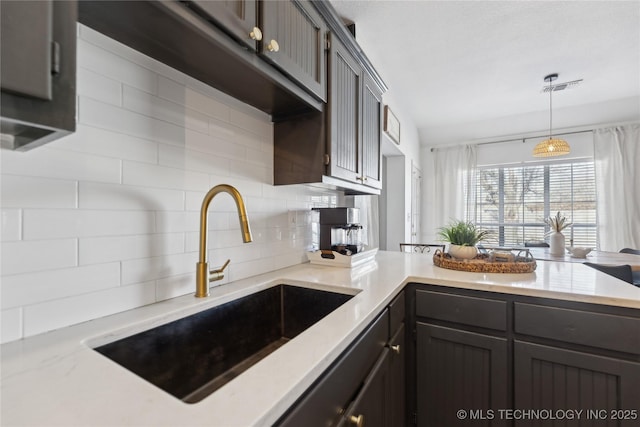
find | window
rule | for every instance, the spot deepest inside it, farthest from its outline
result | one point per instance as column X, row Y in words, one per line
column 514, row 201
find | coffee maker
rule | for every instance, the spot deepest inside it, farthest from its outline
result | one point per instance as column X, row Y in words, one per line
column 340, row 230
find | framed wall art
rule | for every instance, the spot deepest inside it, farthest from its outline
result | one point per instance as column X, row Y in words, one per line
column 391, row 125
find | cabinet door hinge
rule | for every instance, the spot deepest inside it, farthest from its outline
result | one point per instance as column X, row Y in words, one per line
column 414, row 418
column 327, row 159
column 55, row 58
column 327, row 42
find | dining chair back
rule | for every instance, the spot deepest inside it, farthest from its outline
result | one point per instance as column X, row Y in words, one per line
column 421, row 248
column 536, row 244
column 630, row 251
column 622, row 272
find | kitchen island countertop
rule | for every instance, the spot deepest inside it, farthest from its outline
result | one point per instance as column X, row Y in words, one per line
column 57, row 379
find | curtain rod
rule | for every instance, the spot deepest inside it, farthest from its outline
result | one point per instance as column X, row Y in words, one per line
column 521, row 139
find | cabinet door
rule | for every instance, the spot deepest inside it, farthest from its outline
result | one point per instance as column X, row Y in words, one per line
column 294, row 40
column 27, row 36
column 371, row 131
column 558, row 379
column 38, row 71
column 371, row 405
column 459, row 370
column 397, row 383
column 238, row 17
column 344, row 115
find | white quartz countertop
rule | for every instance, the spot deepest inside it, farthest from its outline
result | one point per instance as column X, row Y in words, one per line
column 57, row 379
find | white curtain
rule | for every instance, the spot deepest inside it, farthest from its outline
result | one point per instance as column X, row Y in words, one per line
column 455, row 176
column 616, row 154
column 369, row 218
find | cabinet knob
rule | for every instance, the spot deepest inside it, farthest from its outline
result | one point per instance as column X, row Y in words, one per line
column 273, row 46
column 357, row 421
column 395, row 348
column 256, row 34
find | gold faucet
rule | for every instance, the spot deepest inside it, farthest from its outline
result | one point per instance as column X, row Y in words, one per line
column 203, row 275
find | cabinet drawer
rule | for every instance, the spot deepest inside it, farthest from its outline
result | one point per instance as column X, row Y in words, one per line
column 323, row 403
column 608, row 331
column 485, row 313
column 396, row 313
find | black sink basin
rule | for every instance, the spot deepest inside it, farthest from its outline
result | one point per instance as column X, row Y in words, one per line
column 192, row 357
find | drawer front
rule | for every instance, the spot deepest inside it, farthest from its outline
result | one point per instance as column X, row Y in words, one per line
column 396, row 313
column 481, row 312
column 324, row 402
column 608, row 331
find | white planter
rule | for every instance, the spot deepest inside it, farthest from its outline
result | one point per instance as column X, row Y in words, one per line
column 463, row 252
column 556, row 244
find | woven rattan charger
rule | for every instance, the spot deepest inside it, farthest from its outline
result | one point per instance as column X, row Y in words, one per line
column 483, row 264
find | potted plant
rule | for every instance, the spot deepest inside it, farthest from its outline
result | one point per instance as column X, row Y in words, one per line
column 556, row 224
column 463, row 236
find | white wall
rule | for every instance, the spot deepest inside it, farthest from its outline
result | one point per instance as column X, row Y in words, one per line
column 397, row 178
column 106, row 220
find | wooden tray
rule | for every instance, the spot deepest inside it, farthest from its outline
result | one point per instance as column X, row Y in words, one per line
column 481, row 263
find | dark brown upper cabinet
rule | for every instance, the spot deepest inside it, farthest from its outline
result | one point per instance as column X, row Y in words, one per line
column 339, row 147
column 238, row 17
column 214, row 42
column 38, row 76
column 355, row 120
column 289, row 34
column 293, row 38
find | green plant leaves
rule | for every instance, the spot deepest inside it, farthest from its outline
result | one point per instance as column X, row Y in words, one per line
column 462, row 233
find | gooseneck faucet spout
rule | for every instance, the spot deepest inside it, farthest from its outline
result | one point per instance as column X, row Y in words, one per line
column 203, row 275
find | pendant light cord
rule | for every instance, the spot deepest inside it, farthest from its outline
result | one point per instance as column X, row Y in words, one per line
column 550, row 110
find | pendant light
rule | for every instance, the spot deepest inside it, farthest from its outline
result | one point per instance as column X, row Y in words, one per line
column 552, row 146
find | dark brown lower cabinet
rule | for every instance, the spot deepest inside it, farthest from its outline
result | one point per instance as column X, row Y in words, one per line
column 459, row 370
column 366, row 385
column 397, row 378
column 606, row 389
column 372, row 402
column 488, row 359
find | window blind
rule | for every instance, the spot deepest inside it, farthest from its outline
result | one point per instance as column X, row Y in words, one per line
column 514, row 201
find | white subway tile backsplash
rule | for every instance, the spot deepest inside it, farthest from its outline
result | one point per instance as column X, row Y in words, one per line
column 48, row 162
column 152, row 106
column 163, row 177
column 250, row 268
column 98, row 114
column 116, row 248
column 33, row 288
column 175, row 286
column 107, row 219
column 141, row 270
column 11, row 325
column 115, row 67
column 10, row 224
column 128, row 54
column 97, row 86
column 63, row 312
column 93, row 195
column 176, row 222
column 24, row 257
column 189, row 160
column 190, row 98
column 35, row 192
column 88, row 139
column 258, row 125
column 60, row 223
column 240, row 169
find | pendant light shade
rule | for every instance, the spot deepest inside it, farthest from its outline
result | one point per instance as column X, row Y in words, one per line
column 551, row 146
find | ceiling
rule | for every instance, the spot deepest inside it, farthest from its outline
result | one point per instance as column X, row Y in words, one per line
column 467, row 71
